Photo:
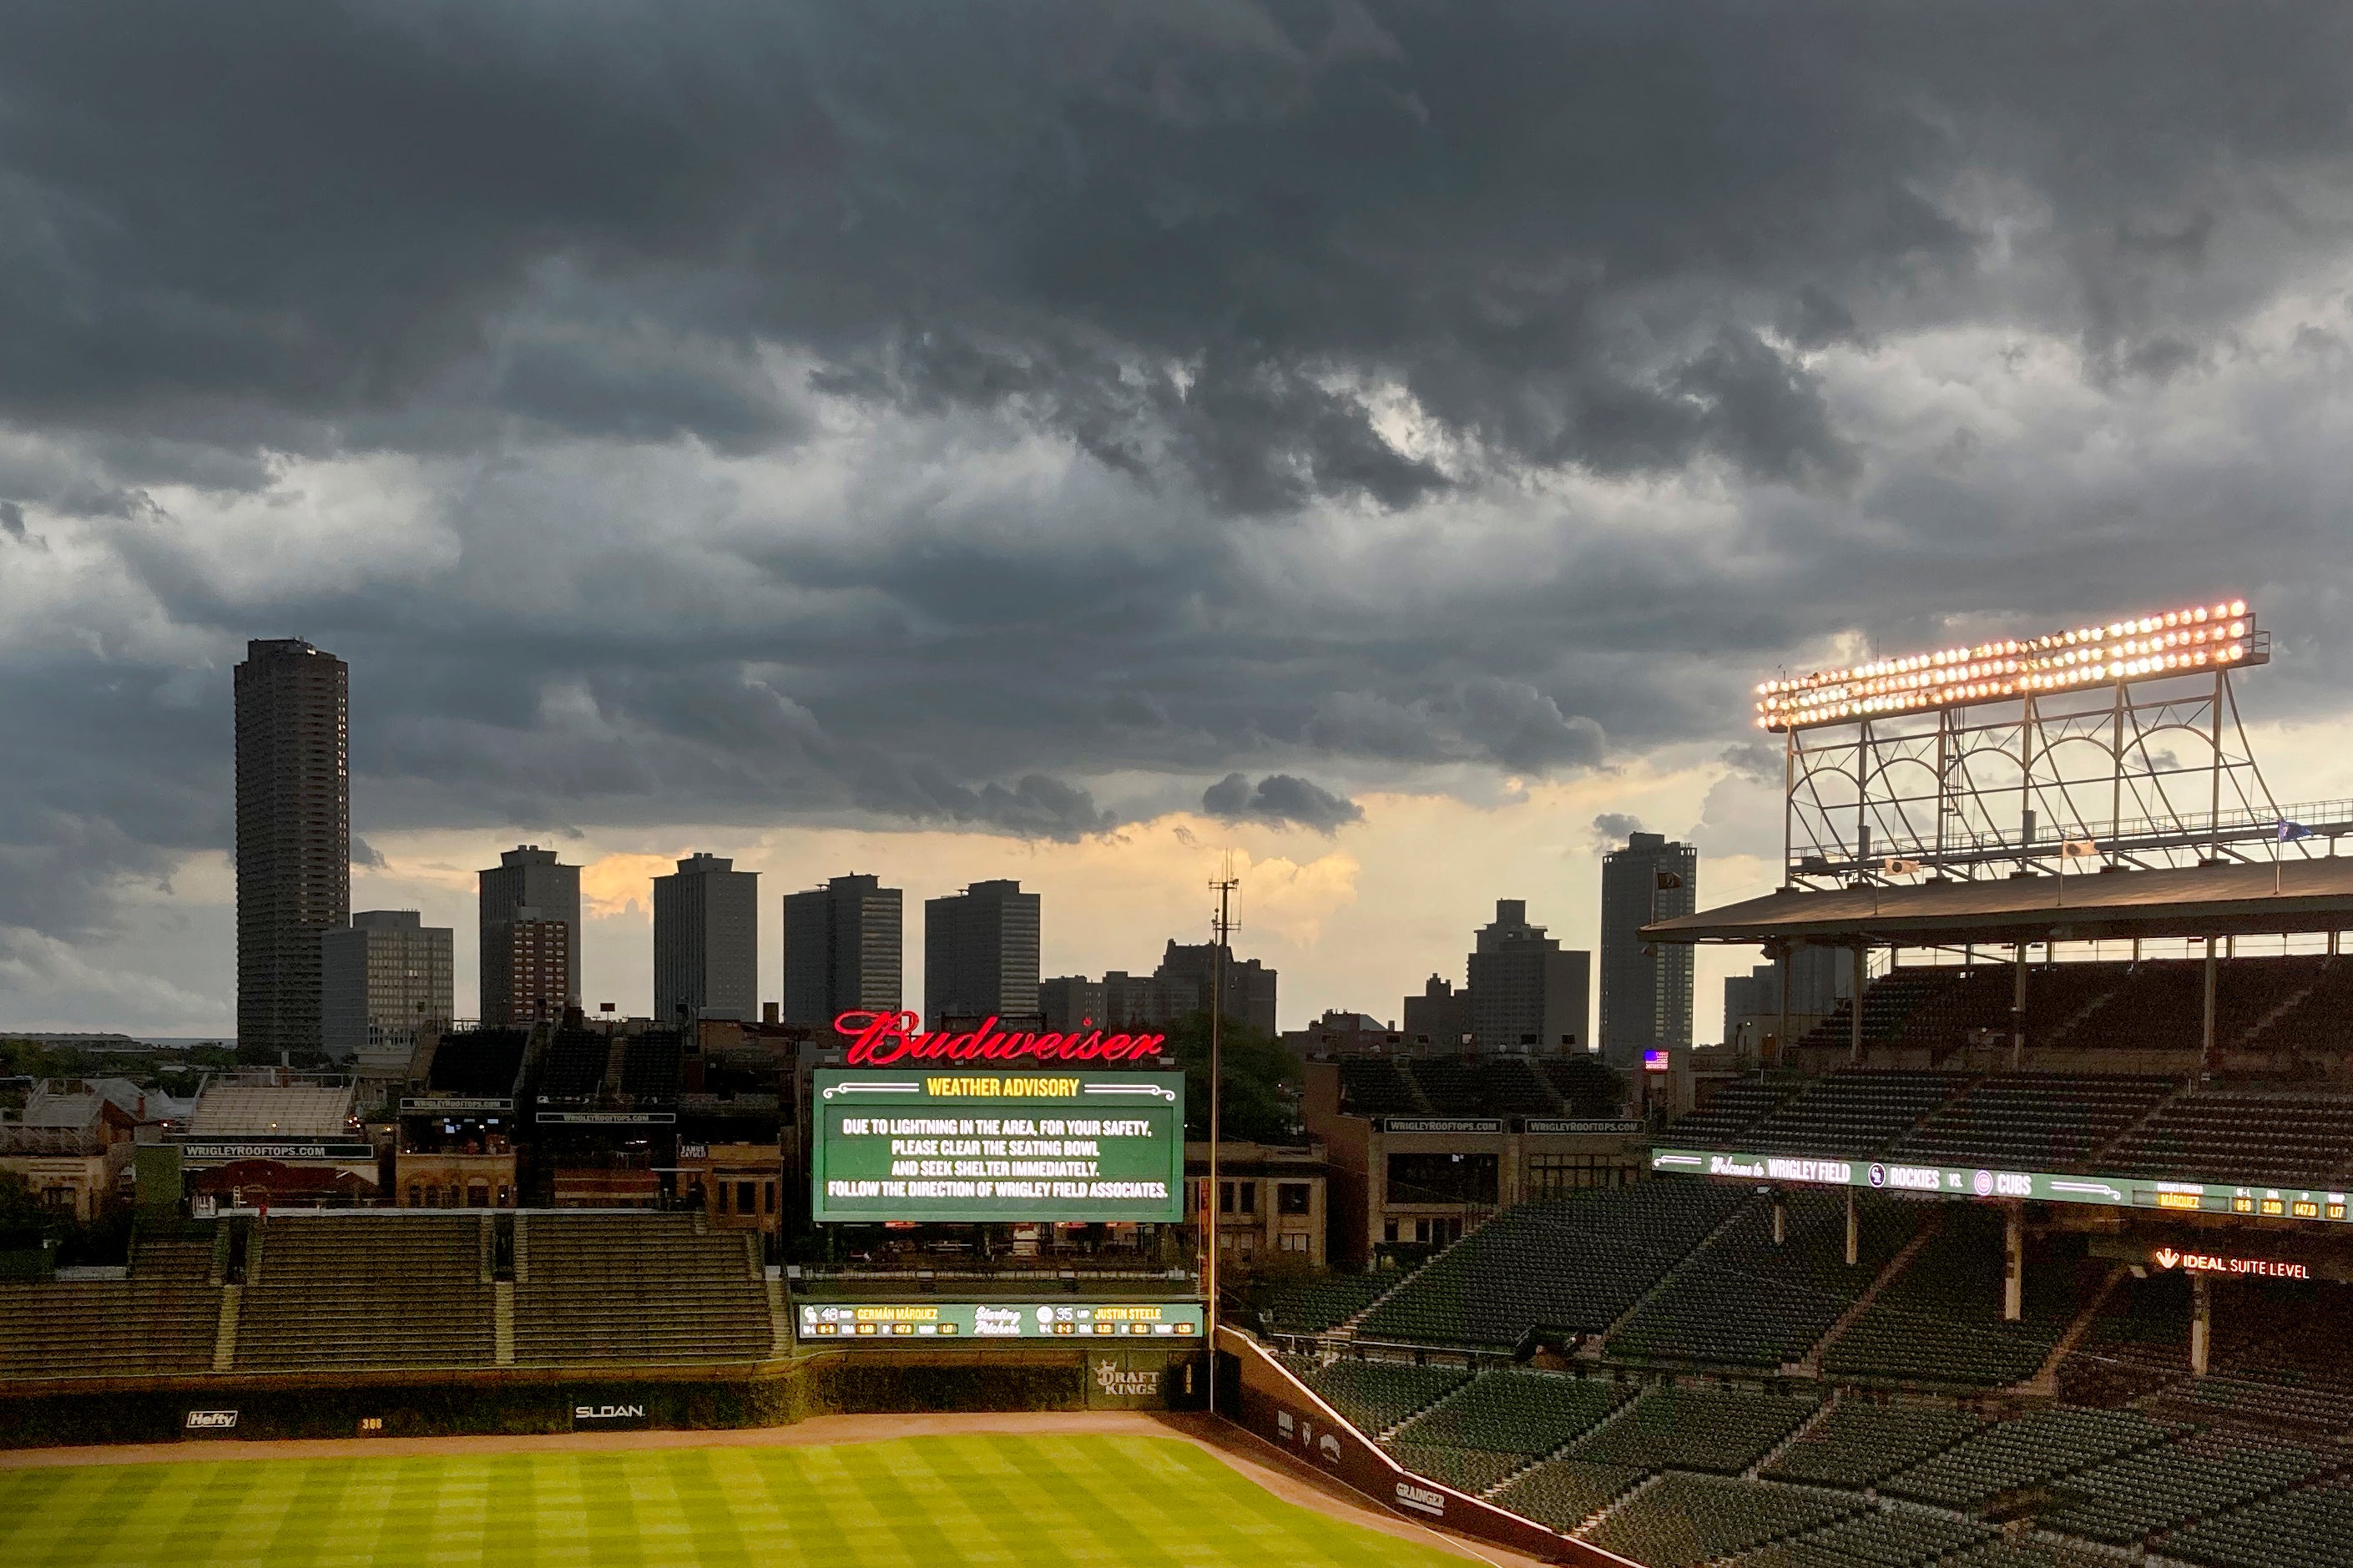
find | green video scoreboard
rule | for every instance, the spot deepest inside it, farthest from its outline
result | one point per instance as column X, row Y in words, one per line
column 995, row 1146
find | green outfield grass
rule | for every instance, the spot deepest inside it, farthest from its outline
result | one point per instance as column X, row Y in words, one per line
column 918, row 1501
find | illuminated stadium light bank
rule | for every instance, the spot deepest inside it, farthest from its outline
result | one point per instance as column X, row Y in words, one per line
column 2201, row 638
column 1974, row 1182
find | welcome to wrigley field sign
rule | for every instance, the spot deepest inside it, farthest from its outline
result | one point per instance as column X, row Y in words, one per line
column 1985, row 1182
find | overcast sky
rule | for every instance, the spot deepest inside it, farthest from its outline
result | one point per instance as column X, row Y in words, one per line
column 1065, row 441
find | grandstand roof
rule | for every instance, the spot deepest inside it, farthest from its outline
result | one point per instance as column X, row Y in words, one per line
column 2310, row 895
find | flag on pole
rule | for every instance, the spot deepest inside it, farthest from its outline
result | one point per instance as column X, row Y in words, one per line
column 1893, row 867
column 2291, row 831
column 2073, row 849
column 1669, row 881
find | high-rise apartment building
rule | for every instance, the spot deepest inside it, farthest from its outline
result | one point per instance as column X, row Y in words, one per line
column 1527, row 995
column 526, row 878
column 1441, row 1016
column 386, row 983
column 293, row 837
column 527, row 969
column 1646, row 990
column 1250, row 985
column 844, row 946
column 980, row 955
column 706, row 941
column 1757, row 1007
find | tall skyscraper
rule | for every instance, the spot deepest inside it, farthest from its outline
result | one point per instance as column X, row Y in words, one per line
column 1646, row 990
column 385, row 983
column 706, row 941
column 526, row 878
column 293, row 837
column 1250, row 985
column 843, row 950
column 1527, row 995
column 980, row 955
column 527, row 969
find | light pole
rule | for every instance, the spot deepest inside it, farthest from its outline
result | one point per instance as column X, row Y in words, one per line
column 1224, row 888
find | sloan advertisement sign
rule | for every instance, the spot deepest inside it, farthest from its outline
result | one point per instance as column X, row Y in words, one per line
column 623, row 1415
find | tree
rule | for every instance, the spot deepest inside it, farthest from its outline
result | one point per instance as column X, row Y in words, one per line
column 1262, row 1082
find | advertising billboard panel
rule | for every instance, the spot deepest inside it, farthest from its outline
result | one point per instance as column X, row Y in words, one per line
column 917, row 1323
column 963, row 1145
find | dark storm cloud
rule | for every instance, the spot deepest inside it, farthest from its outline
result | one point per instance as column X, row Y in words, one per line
column 732, row 359
column 1281, row 799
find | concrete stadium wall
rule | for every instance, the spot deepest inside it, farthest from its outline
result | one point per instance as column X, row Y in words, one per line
column 1260, row 1394
column 477, row 1402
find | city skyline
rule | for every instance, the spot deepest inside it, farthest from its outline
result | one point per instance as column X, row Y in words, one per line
column 1332, row 457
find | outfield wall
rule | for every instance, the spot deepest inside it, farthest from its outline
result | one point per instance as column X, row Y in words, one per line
column 1257, row 1391
column 768, row 1394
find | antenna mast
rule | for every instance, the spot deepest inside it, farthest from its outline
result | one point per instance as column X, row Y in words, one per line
column 1222, row 929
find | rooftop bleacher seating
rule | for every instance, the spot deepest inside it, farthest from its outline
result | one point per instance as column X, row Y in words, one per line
column 1860, row 1442
column 1855, row 1112
column 2157, row 1488
column 1374, row 1396
column 478, row 1061
column 2292, row 1137
column 162, row 1318
column 1685, row 1520
column 2309, row 1528
column 1588, row 1087
column 1453, row 1086
column 2036, row 1122
column 1742, row 1300
column 1565, row 1493
column 1317, row 1306
column 369, row 1289
column 574, row 1067
column 1688, row 1428
column 1523, row 1413
column 651, row 1068
column 1569, row 1263
column 2031, row 1448
column 646, row 1288
column 1378, row 1086
column 285, row 1110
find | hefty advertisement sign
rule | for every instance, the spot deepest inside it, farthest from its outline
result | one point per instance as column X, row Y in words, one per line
column 961, row 1144
column 1979, row 1182
column 210, row 1421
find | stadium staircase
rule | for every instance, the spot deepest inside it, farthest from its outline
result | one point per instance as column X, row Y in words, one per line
column 1811, row 1366
column 1660, row 1285
column 1821, row 1413
column 225, row 1336
column 2044, row 1383
column 502, row 1321
column 780, row 1319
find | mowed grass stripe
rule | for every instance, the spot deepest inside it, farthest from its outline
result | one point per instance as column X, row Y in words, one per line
column 994, row 1521
column 311, row 1515
column 89, row 1517
column 708, row 1513
column 986, row 1501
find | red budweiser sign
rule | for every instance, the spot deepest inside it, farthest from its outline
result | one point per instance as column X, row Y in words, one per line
column 877, row 1039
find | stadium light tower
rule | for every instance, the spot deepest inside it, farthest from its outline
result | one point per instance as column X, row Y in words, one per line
column 2118, row 743
column 1224, row 888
